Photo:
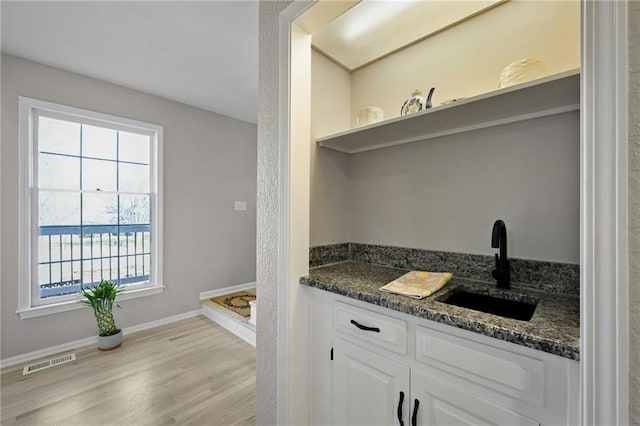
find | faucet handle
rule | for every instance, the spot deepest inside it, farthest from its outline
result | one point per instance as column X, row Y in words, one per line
column 497, row 261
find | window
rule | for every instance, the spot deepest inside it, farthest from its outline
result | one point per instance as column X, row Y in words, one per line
column 90, row 205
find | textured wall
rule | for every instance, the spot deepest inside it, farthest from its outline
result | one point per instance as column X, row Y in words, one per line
column 209, row 162
column 267, row 214
column 634, row 210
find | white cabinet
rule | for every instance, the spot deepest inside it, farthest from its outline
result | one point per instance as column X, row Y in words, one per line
column 395, row 369
column 368, row 389
column 441, row 404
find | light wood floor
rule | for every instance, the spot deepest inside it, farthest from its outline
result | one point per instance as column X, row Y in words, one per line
column 188, row 372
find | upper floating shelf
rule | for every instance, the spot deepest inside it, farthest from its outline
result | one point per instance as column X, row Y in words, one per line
column 550, row 95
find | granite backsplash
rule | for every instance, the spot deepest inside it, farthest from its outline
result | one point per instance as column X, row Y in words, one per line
column 325, row 255
column 550, row 277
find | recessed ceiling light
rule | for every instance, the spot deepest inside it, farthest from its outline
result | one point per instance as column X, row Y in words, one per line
column 373, row 15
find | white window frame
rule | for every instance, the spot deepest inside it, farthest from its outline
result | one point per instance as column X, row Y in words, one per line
column 29, row 109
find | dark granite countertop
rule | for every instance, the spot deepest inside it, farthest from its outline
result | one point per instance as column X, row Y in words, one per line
column 554, row 327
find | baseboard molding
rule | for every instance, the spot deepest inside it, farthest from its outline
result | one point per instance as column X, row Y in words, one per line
column 235, row 327
column 87, row 341
column 226, row 290
column 30, row 356
column 161, row 321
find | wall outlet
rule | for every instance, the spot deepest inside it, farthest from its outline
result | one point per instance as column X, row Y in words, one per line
column 240, row 205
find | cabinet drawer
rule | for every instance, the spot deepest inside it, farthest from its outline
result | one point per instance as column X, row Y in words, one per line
column 514, row 375
column 371, row 327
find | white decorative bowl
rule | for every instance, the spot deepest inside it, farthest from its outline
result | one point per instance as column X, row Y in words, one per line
column 521, row 71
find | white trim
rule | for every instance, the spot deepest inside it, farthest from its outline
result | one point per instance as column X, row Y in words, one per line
column 1, row 222
column 282, row 358
column 241, row 330
column 72, row 305
column 113, row 121
column 87, row 341
column 29, row 306
column 157, row 206
column 254, row 312
column 226, row 290
column 161, row 321
column 299, row 306
column 24, row 203
column 52, row 350
column 283, row 366
column 604, row 253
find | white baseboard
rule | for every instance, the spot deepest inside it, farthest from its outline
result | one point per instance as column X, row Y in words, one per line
column 161, row 321
column 237, row 328
column 87, row 341
column 226, row 290
column 18, row 359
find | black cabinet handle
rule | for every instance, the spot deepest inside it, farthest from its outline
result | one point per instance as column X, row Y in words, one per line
column 414, row 418
column 400, row 408
column 364, row 327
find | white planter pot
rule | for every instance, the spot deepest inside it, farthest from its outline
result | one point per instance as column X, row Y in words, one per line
column 106, row 343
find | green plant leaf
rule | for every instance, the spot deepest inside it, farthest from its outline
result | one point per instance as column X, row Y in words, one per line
column 101, row 298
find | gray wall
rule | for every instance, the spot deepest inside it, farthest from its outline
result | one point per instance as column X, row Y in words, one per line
column 209, row 162
column 634, row 212
column 445, row 193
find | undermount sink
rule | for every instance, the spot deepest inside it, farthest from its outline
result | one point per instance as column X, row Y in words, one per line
column 522, row 309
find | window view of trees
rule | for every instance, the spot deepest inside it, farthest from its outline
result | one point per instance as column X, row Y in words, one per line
column 94, row 212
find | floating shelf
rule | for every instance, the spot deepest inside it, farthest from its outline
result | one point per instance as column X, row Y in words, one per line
column 547, row 96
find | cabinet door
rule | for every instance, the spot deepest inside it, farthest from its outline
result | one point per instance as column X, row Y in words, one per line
column 441, row 404
column 367, row 387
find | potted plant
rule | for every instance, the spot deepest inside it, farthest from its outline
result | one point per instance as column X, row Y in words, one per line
column 102, row 298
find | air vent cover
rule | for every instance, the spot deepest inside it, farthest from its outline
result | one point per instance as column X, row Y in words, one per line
column 62, row 359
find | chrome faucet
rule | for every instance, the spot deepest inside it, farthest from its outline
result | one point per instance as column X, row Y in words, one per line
column 502, row 273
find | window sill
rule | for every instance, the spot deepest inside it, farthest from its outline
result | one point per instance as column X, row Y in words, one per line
column 72, row 305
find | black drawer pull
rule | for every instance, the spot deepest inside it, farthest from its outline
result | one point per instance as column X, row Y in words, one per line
column 414, row 418
column 364, row 327
column 400, row 409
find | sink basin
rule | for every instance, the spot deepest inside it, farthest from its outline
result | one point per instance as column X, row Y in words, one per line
column 516, row 309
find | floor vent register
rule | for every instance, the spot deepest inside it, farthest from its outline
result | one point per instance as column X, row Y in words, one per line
column 62, row 359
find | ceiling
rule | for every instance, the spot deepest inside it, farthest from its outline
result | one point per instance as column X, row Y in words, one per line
column 202, row 53
column 373, row 29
